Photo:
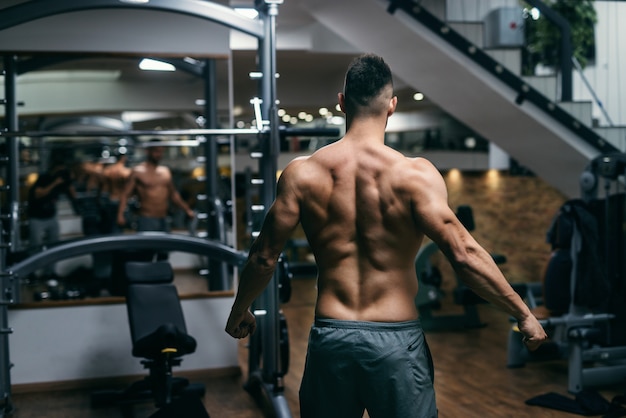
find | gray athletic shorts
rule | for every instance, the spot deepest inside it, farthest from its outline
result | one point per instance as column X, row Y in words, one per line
column 145, row 224
column 351, row 366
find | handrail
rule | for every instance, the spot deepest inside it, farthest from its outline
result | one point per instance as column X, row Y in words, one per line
column 579, row 68
column 525, row 91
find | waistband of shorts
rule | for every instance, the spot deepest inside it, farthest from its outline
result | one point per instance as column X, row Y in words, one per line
column 367, row 325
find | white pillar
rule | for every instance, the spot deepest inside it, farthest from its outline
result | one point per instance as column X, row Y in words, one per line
column 498, row 158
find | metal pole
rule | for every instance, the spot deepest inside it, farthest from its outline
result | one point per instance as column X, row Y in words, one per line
column 210, row 113
column 10, row 81
column 267, row 168
column 218, row 271
column 6, row 295
column 270, row 340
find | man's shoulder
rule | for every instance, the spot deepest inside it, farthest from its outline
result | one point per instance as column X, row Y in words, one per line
column 297, row 164
column 304, row 172
column 418, row 164
column 413, row 173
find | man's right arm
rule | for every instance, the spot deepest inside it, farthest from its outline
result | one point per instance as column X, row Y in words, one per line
column 128, row 190
column 471, row 262
column 278, row 225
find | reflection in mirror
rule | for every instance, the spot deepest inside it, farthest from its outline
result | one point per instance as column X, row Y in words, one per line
column 73, row 180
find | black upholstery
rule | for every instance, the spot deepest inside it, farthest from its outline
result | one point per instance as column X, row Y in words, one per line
column 155, row 315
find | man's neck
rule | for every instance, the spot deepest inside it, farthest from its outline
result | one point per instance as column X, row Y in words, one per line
column 152, row 163
column 370, row 129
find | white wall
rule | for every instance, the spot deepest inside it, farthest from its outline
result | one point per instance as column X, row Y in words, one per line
column 606, row 75
column 474, row 10
column 85, row 342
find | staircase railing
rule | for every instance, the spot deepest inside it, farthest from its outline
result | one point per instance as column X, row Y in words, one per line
column 525, row 92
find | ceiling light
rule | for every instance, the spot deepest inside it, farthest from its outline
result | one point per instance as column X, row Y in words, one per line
column 135, row 1
column 148, row 64
column 418, row 96
column 337, row 120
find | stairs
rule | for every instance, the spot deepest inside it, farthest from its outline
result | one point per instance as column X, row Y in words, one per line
column 480, row 87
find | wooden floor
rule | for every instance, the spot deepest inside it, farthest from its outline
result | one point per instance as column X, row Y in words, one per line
column 471, row 379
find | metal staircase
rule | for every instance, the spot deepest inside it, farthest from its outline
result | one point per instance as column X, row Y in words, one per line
column 480, row 87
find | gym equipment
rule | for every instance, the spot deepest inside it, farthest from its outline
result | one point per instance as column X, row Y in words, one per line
column 267, row 377
column 159, row 336
column 591, row 335
column 429, row 294
column 140, row 241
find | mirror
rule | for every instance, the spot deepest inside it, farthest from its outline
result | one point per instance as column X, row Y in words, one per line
column 88, row 121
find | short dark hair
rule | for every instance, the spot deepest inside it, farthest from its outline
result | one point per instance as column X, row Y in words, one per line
column 366, row 77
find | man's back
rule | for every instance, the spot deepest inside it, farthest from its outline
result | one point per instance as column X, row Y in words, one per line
column 356, row 213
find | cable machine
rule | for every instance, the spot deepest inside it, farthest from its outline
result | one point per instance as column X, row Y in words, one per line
column 265, row 373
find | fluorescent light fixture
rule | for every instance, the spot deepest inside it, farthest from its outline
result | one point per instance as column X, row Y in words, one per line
column 69, row 76
column 148, row 64
column 135, row 1
column 248, row 12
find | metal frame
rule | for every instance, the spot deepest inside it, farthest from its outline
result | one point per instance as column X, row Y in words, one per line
column 141, row 240
column 264, row 29
column 588, row 365
column 33, row 10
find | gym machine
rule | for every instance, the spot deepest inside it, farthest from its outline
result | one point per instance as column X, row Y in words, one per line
column 591, row 334
column 266, row 375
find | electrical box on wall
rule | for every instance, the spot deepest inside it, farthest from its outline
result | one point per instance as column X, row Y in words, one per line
column 504, row 28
